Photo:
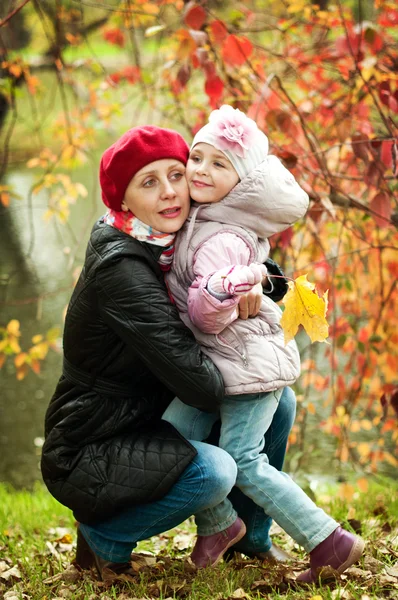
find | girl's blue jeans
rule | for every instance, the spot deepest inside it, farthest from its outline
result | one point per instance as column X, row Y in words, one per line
column 204, row 483
column 244, row 420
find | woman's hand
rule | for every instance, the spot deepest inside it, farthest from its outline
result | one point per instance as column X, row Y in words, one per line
column 250, row 303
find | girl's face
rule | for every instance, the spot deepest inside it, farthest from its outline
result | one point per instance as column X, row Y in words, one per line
column 158, row 195
column 210, row 174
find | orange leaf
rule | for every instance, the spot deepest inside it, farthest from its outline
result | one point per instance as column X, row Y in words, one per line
column 311, row 408
column 347, row 491
column 236, row 50
column 35, row 364
column 15, row 70
column 5, row 199
column 381, row 204
column 363, row 484
column 21, row 372
column 186, row 47
column 195, row 16
column 20, row 359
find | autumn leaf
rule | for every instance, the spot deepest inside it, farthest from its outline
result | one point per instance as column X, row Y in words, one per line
column 304, row 307
column 381, row 205
column 218, row 31
column 236, row 50
column 214, row 88
column 195, row 16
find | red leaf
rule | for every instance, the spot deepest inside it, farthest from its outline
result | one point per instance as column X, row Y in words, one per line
column 236, row 50
column 114, row 36
column 183, row 75
column 387, row 96
column 286, row 237
column 115, row 77
column 350, row 44
column 388, row 18
column 373, row 39
column 360, row 146
column 386, row 153
column 218, row 31
column 288, row 158
column 195, row 16
column 214, row 88
column 393, row 269
column 210, row 69
column 373, row 174
column 381, row 204
column 281, row 119
column 131, row 74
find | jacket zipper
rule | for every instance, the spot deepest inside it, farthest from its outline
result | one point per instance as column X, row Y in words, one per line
column 241, row 355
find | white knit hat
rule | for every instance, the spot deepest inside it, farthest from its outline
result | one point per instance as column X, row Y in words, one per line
column 235, row 135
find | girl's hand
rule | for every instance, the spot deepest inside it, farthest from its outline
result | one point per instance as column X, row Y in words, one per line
column 250, row 303
column 236, row 280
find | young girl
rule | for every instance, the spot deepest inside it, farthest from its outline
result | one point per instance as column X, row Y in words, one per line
column 241, row 197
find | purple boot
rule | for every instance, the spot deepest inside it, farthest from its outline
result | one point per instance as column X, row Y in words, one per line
column 340, row 550
column 209, row 549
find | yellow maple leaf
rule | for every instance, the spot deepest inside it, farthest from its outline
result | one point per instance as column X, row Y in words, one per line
column 304, row 307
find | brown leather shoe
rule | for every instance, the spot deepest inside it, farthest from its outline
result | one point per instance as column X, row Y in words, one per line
column 87, row 559
column 275, row 554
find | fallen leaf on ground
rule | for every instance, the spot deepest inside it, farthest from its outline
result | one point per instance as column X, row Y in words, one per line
column 12, row 573
column 357, row 573
column 4, row 566
column 239, row 593
column 183, row 540
column 142, row 561
column 393, row 571
column 372, row 564
column 16, row 595
column 59, row 532
column 388, row 581
column 339, row 594
column 70, row 575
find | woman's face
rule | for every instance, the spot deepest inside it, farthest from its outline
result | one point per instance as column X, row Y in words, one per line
column 158, row 195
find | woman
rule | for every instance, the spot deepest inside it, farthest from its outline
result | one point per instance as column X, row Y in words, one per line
column 125, row 473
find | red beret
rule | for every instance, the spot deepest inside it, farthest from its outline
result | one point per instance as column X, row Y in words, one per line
column 135, row 149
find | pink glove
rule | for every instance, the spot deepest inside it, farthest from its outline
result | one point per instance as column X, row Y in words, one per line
column 237, row 279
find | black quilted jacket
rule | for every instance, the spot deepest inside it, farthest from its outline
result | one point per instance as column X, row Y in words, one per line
column 127, row 354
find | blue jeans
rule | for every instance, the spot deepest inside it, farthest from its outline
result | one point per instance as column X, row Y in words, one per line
column 258, row 523
column 244, row 420
column 203, row 485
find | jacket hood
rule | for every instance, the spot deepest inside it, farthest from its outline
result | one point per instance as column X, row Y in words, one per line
column 266, row 201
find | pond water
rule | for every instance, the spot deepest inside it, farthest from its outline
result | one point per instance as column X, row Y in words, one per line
column 36, row 281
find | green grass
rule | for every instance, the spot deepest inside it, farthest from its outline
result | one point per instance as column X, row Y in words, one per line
column 30, row 540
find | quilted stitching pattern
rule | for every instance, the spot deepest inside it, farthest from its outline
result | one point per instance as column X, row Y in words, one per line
column 102, row 454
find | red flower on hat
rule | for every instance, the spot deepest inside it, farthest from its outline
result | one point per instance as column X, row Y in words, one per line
column 235, row 132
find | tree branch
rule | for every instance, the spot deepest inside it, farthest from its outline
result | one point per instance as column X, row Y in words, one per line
column 12, row 13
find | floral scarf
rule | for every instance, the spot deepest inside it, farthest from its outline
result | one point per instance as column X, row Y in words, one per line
column 128, row 223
